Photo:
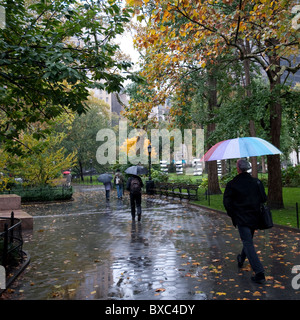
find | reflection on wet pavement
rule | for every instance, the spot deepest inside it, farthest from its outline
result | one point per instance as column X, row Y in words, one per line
column 90, row 249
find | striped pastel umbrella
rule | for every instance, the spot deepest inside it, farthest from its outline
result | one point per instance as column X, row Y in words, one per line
column 240, row 148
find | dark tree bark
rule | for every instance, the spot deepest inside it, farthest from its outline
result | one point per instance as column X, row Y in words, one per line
column 246, row 63
column 212, row 169
column 81, row 169
column 275, row 199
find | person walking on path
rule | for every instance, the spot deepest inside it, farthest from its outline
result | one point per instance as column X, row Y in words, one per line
column 119, row 182
column 68, row 179
column 108, row 187
column 134, row 186
column 242, row 199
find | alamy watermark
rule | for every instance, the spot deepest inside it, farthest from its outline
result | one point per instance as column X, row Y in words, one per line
column 2, row 278
column 2, row 17
column 295, row 24
column 137, row 153
column 296, row 278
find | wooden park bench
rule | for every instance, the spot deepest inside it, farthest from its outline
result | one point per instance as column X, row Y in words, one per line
column 187, row 191
column 181, row 190
column 161, row 188
column 192, row 191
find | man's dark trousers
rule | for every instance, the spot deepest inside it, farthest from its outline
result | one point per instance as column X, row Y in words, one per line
column 248, row 251
column 135, row 202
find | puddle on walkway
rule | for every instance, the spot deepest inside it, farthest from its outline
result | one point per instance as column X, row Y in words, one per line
column 90, row 249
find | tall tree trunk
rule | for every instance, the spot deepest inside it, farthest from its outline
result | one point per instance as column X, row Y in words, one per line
column 253, row 160
column 81, row 169
column 275, row 199
column 223, row 166
column 249, row 94
column 212, row 169
column 263, row 165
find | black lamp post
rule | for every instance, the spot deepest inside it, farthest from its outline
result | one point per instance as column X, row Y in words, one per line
column 149, row 152
column 91, row 179
column 150, row 182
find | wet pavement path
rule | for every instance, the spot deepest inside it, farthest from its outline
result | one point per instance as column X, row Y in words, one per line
column 90, row 249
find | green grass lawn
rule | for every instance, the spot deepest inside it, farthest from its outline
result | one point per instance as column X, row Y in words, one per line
column 185, row 178
column 87, row 180
column 286, row 216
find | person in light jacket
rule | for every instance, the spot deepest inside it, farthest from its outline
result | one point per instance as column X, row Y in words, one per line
column 242, row 199
column 119, row 182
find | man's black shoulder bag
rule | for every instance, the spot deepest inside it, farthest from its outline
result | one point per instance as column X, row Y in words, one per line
column 266, row 221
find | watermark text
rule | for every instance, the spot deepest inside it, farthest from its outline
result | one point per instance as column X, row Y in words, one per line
column 296, row 18
column 296, row 278
column 2, row 17
column 2, row 278
column 132, row 146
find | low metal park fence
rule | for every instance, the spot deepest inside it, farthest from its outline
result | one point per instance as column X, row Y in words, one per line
column 11, row 241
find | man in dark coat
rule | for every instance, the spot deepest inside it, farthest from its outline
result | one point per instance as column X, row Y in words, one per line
column 134, row 186
column 242, row 199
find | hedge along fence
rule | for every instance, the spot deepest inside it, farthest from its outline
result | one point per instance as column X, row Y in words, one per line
column 41, row 193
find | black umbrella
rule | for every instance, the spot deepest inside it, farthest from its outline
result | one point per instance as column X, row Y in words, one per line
column 136, row 170
column 105, row 177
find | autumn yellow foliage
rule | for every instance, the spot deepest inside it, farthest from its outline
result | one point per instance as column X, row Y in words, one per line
column 4, row 179
column 177, row 36
column 130, row 146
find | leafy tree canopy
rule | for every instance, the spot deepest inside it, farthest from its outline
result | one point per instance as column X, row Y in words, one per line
column 51, row 53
